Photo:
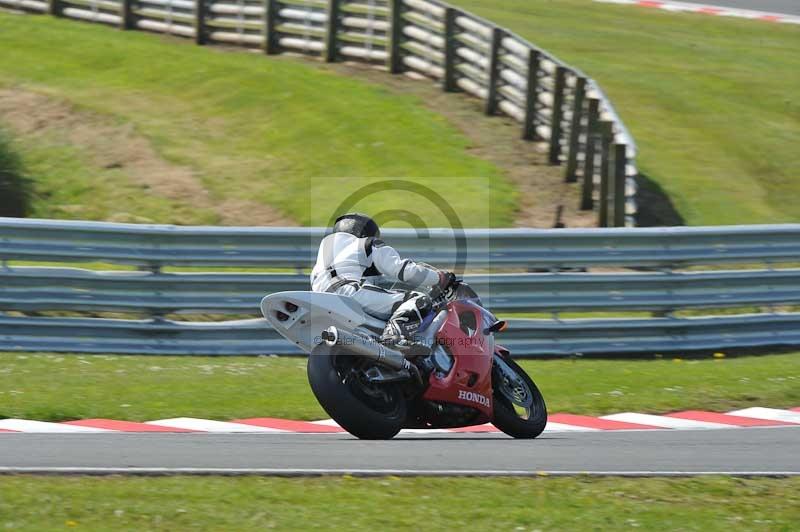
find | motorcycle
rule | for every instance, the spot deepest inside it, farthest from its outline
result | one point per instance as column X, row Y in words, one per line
column 463, row 378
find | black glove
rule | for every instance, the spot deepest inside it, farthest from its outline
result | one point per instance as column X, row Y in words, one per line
column 447, row 280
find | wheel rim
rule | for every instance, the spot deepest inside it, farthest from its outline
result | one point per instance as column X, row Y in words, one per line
column 514, row 390
column 379, row 398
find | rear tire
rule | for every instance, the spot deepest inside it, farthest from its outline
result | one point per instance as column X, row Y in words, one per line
column 369, row 412
column 519, row 407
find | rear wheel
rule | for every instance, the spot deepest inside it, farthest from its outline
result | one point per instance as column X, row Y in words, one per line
column 365, row 410
column 519, row 408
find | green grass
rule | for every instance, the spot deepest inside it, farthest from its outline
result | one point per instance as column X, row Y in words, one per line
column 713, row 102
column 276, row 131
column 141, row 388
column 346, row 503
column 69, row 186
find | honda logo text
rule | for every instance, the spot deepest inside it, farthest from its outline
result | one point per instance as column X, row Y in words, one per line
column 473, row 397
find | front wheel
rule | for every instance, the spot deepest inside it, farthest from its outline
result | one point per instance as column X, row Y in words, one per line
column 365, row 410
column 519, row 408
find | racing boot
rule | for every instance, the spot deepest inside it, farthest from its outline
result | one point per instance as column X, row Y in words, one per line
column 402, row 327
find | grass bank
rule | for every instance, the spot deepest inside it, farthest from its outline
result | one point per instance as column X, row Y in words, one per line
column 712, row 101
column 181, row 503
column 141, row 388
column 172, row 139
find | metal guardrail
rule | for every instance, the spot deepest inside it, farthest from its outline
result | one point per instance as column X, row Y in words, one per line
column 650, row 335
column 31, row 289
column 556, row 104
column 155, row 292
column 157, row 246
column 142, row 337
column 524, row 337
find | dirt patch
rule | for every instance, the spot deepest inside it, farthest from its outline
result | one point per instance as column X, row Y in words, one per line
column 496, row 139
column 118, row 146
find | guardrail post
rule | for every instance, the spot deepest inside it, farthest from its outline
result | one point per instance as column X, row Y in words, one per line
column 571, row 173
column 55, row 8
column 332, row 33
column 396, row 38
column 200, row 21
column 153, row 269
column 587, row 201
column 531, row 96
column 494, row 70
column 556, row 130
column 620, row 163
column 126, row 15
column 270, row 21
column 606, row 132
column 450, row 49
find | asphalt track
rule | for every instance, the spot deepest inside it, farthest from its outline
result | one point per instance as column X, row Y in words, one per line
column 788, row 7
column 745, row 451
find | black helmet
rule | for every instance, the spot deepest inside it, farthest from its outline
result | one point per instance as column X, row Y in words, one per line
column 357, row 224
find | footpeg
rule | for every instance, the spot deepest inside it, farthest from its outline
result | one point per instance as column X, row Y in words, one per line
column 414, row 371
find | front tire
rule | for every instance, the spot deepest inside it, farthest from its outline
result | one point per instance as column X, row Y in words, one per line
column 367, row 411
column 519, row 407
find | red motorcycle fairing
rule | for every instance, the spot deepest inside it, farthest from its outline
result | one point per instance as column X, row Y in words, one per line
column 469, row 382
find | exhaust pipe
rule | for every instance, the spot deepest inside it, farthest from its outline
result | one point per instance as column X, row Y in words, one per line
column 367, row 348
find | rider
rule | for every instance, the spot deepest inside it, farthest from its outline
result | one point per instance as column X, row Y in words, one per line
column 353, row 258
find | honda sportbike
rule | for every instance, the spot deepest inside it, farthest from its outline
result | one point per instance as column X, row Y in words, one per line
column 461, row 378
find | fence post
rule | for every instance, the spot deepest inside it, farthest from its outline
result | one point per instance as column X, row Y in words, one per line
column 332, row 32
column 587, row 201
column 450, row 49
column 605, row 172
column 558, row 114
column 270, row 21
column 55, row 8
column 126, row 15
column 571, row 174
column 494, row 70
column 200, row 21
column 531, row 96
column 620, row 164
column 396, row 38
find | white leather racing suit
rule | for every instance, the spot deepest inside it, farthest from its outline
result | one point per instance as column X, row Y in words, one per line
column 348, row 265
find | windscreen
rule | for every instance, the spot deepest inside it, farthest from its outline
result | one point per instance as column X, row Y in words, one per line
column 465, row 291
